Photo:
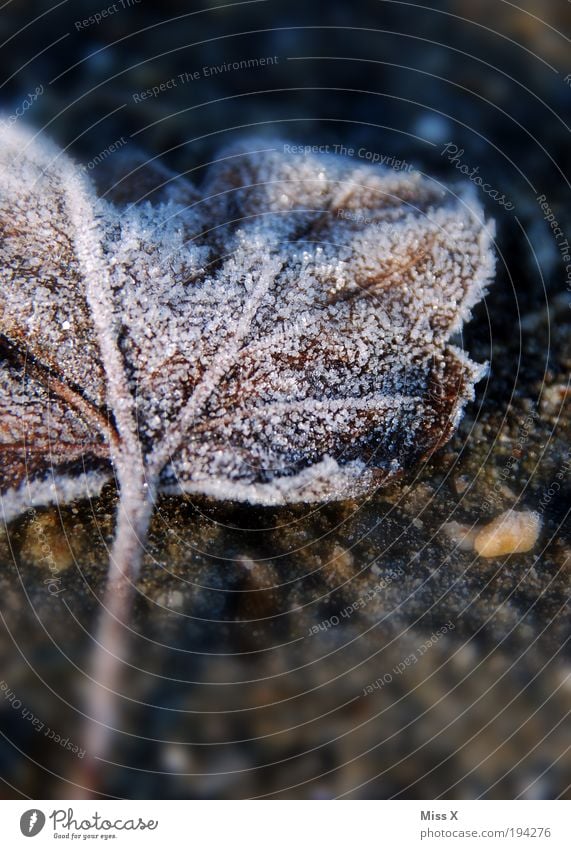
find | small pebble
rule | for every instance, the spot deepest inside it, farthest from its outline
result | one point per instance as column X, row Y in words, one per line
column 46, row 545
column 461, row 484
column 171, row 600
column 512, row 532
column 463, row 536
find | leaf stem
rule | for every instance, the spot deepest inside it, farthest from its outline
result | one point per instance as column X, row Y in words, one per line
column 103, row 693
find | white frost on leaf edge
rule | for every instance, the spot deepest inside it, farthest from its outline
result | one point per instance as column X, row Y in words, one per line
column 42, row 493
column 352, row 479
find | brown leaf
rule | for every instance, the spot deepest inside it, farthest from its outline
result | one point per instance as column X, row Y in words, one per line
column 280, row 334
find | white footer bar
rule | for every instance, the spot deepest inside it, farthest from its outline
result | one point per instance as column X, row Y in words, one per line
column 289, row 824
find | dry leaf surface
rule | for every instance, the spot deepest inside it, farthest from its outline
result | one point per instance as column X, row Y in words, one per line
column 280, row 334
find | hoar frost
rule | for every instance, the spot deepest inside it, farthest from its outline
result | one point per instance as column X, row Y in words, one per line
column 281, row 333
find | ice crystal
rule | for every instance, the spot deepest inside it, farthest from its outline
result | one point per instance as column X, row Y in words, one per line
column 281, row 333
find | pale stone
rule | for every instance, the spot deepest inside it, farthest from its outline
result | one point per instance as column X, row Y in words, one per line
column 462, row 535
column 512, row 532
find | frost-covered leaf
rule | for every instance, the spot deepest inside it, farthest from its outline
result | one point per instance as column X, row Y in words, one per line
column 280, row 333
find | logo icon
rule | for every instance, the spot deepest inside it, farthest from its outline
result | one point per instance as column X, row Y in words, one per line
column 32, row 822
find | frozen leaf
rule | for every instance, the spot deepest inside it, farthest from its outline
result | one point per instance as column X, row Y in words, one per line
column 283, row 336
column 281, row 333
